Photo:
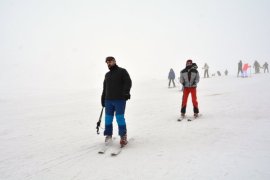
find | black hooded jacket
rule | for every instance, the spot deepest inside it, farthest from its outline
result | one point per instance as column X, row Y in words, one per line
column 117, row 84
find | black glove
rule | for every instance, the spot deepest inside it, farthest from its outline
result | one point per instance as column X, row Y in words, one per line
column 127, row 96
column 103, row 101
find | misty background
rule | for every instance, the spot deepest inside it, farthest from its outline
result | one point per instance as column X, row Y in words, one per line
column 62, row 44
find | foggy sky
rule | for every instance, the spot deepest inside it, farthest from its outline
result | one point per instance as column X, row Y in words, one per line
column 64, row 43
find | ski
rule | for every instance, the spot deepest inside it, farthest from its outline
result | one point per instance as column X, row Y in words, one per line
column 117, row 151
column 188, row 118
column 181, row 118
column 106, row 146
column 103, row 149
column 193, row 118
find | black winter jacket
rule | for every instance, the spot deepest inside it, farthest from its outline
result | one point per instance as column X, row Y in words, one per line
column 117, row 84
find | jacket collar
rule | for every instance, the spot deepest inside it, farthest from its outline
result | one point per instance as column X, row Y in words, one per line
column 113, row 68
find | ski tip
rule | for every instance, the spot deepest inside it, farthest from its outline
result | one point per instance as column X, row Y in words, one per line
column 116, row 153
column 181, row 119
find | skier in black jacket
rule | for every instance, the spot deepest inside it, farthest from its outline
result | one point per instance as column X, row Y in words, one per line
column 116, row 91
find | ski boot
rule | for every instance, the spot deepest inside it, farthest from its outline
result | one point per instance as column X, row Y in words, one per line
column 196, row 115
column 108, row 139
column 183, row 115
column 123, row 140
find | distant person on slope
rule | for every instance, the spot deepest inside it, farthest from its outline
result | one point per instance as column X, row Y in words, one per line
column 245, row 69
column 257, row 66
column 265, row 67
column 240, row 64
column 171, row 77
column 189, row 77
column 226, row 72
column 206, row 69
column 116, row 91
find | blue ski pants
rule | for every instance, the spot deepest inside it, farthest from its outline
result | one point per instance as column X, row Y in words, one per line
column 116, row 107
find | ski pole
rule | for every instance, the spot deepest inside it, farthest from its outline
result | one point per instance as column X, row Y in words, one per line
column 99, row 120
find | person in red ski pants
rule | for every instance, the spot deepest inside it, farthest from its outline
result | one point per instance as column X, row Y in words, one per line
column 190, row 77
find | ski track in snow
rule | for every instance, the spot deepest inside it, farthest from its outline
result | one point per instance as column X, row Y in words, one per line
column 53, row 136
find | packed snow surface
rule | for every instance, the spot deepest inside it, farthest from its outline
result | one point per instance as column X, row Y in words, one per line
column 51, row 135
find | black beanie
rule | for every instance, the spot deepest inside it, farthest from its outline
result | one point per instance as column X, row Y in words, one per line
column 109, row 58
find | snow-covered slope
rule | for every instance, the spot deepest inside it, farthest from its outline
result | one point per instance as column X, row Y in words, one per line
column 52, row 136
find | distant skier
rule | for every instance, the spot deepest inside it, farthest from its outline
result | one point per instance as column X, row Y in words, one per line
column 265, row 67
column 245, row 69
column 190, row 77
column 257, row 66
column 226, row 72
column 171, row 77
column 218, row 73
column 206, row 69
column 116, row 91
column 240, row 64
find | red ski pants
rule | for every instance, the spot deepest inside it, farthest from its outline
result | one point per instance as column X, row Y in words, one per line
column 193, row 92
